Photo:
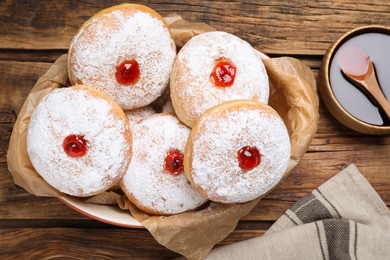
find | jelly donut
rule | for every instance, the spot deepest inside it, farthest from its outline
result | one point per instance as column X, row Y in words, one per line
column 212, row 68
column 126, row 52
column 79, row 141
column 138, row 114
column 154, row 180
column 237, row 151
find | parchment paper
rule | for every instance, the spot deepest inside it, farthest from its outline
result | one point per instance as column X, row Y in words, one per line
column 192, row 234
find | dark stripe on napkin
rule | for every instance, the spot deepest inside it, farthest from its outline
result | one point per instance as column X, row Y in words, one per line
column 355, row 242
column 319, row 240
column 326, row 199
column 337, row 233
column 310, row 209
column 290, row 218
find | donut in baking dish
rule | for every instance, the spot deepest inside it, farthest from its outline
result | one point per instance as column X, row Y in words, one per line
column 212, row 68
column 155, row 181
column 138, row 114
column 237, row 151
column 126, row 52
column 79, row 140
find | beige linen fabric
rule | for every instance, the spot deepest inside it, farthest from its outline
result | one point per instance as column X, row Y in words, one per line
column 342, row 219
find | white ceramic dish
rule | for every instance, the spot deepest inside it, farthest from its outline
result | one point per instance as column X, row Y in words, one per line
column 110, row 214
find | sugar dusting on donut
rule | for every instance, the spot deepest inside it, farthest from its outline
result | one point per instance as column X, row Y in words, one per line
column 136, row 115
column 108, row 40
column 220, row 135
column 193, row 91
column 168, row 107
column 154, row 189
column 65, row 112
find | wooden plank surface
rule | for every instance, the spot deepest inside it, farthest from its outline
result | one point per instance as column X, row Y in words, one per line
column 42, row 243
column 277, row 27
column 33, row 34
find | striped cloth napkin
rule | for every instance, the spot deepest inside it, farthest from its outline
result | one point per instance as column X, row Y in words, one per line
column 342, row 219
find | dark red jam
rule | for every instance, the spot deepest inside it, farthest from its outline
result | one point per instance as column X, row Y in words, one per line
column 223, row 74
column 174, row 162
column 127, row 73
column 248, row 157
column 75, row 146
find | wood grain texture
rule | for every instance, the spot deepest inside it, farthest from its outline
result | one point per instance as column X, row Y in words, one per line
column 33, row 34
column 48, row 243
column 17, row 80
column 277, row 27
column 82, row 243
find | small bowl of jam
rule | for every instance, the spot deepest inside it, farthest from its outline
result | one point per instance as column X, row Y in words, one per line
column 345, row 99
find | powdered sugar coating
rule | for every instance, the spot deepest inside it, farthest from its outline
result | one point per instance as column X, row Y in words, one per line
column 138, row 114
column 215, row 143
column 168, row 107
column 114, row 37
column 193, row 92
column 146, row 181
column 64, row 112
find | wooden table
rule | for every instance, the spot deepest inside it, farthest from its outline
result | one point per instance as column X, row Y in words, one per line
column 33, row 34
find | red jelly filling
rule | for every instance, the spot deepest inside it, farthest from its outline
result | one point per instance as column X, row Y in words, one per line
column 75, row 145
column 223, row 74
column 248, row 157
column 127, row 73
column 174, row 162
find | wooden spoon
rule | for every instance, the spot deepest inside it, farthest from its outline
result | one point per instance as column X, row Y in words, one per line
column 358, row 67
